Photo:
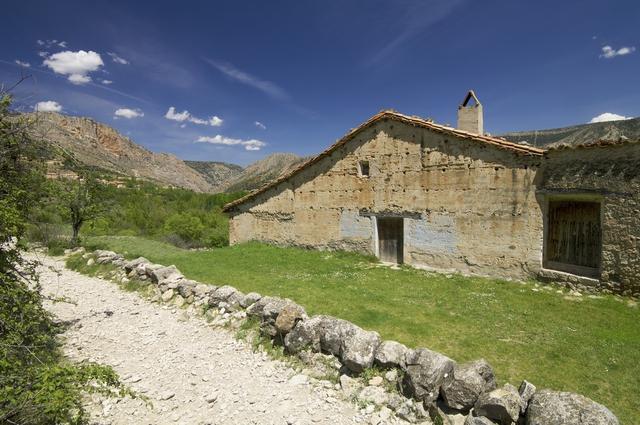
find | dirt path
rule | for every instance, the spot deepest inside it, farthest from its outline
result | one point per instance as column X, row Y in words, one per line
column 193, row 374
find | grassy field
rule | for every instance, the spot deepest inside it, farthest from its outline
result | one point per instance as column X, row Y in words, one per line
column 581, row 344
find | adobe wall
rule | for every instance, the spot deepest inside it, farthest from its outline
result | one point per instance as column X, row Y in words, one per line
column 610, row 174
column 467, row 206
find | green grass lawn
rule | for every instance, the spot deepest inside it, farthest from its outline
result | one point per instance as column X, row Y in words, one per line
column 590, row 346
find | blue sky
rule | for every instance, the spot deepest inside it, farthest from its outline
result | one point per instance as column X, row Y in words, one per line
column 308, row 71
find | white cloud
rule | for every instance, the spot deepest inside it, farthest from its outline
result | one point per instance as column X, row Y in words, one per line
column 265, row 86
column 74, row 64
column 260, row 125
column 609, row 52
column 24, row 64
column 183, row 116
column 609, row 116
column 79, row 79
column 180, row 116
column 250, row 145
column 118, row 59
column 43, row 54
column 128, row 113
column 106, row 82
column 48, row 106
column 40, row 42
column 63, row 44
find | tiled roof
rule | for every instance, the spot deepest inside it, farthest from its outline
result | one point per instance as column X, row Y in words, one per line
column 396, row 116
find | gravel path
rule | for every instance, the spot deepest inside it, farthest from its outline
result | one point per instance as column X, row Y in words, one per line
column 192, row 373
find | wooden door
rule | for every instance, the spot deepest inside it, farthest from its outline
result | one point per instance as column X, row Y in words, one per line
column 574, row 236
column 391, row 239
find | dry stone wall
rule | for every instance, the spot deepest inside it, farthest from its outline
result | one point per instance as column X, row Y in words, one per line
column 466, row 205
column 430, row 383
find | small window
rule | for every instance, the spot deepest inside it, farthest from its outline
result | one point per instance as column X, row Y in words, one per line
column 363, row 168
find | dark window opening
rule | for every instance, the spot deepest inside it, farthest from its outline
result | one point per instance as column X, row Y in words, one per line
column 364, row 168
column 574, row 237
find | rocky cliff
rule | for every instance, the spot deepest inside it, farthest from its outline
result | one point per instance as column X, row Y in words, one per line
column 97, row 145
column 263, row 171
column 216, row 173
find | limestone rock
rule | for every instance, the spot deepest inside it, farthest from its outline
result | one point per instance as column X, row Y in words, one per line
column 185, row 287
column 477, row 420
column 288, row 317
column 305, row 335
column 271, row 310
column 467, row 383
column 526, row 391
column 256, row 308
column 390, row 354
column 554, row 407
column 501, row 405
column 376, row 381
column 358, row 348
column 426, row 372
column 249, row 299
column 225, row 294
column 164, row 275
column 375, row 395
column 179, row 301
column 354, row 346
column 132, row 264
column 350, row 387
column 91, row 262
column 320, row 366
column 201, row 290
column 167, row 295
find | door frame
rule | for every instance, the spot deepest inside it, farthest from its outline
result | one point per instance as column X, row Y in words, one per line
column 376, row 236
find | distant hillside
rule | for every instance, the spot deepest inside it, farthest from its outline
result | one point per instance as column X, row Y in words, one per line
column 578, row 134
column 264, row 171
column 99, row 146
column 217, row 174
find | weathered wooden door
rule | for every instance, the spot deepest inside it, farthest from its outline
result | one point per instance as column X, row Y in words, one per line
column 574, row 237
column 391, row 239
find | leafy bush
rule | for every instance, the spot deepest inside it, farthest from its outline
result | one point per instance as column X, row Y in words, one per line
column 37, row 385
column 189, row 227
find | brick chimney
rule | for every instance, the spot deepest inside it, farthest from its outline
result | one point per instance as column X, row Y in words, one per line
column 470, row 115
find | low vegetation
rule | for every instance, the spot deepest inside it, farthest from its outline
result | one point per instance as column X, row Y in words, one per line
column 585, row 344
column 180, row 217
column 37, row 384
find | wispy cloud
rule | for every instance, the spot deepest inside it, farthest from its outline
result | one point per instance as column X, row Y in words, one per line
column 128, row 113
column 185, row 115
column 417, row 17
column 260, row 125
column 107, row 82
column 100, row 86
column 608, row 116
column 250, row 145
column 609, row 52
column 118, row 59
column 267, row 87
column 23, row 64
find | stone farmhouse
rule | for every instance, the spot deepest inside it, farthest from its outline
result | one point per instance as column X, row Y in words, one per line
column 411, row 191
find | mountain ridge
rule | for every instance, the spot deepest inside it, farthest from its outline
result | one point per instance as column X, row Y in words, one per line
column 578, row 134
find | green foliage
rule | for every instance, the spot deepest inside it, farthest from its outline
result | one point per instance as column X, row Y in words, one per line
column 37, row 385
column 181, row 217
